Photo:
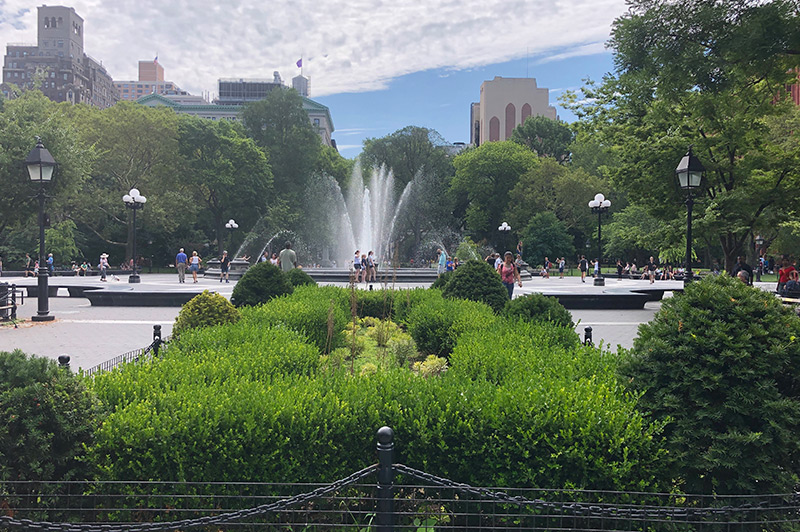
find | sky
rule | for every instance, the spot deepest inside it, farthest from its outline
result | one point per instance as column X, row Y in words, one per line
column 379, row 65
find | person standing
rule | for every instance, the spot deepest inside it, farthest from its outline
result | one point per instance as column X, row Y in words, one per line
column 583, row 266
column 288, row 258
column 273, row 259
column 596, row 266
column 194, row 265
column 519, row 248
column 103, row 266
column 28, row 265
column 371, row 266
column 50, row 266
column 742, row 266
column 181, row 261
column 509, row 273
column 442, row 266
column 224, row 266
column 620, row 267
column 561, row 264
column 651, row 268
column 784, row 273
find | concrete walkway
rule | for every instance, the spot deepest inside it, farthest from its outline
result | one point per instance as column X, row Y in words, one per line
column 91, row 335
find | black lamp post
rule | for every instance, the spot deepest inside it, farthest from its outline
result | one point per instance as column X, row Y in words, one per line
column 599, row 205
column 690, row 176
column 504, row 229
column 134, row 201
column 40, row 166
column 759, row 240
column 231, row 226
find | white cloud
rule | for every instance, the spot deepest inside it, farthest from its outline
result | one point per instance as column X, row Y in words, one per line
column 351, row 46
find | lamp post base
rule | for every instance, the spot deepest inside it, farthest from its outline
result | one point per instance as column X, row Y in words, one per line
column 134, row 278
column 45, row 317
column 599, row 281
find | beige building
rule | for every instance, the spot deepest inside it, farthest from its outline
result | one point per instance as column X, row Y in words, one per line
column 151, row 81
column 506, row 103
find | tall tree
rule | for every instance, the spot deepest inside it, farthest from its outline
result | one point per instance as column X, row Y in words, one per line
column 483, row 182
column 225, row 171
column 707, row 73
column 280, row 126
column 548, row 138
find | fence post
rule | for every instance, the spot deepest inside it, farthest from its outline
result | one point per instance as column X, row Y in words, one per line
column 156, row 338
column 13, row 302
column 385, row 515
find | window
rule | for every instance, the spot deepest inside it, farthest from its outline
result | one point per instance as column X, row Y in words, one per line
column 61, row 44
column 316, row 122
column 65, row 76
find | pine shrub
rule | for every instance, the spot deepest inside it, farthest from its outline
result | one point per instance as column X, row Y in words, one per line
column 477, row 281
column 539, row 308
column 205, row 310
column 261, row 282
column 720, row 365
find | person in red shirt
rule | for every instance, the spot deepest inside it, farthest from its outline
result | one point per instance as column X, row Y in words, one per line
column 784, row 272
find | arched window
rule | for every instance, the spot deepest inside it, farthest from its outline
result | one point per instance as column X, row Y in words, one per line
column 46, row 22
column 60, row 22
column 511, row 119
column 526, row 112
column 494, row 129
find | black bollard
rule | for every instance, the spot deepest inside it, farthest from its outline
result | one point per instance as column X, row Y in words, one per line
column 63, row 362
column 156, row 339
column 385, row 514
column 587, row 336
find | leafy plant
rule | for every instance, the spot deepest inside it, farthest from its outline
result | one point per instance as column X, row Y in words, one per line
column 297, row 277
column 432, row 366
column 477, row 281
column 261, row 282
column 205, row 310
column 437, row 324
column 719, row 365
column 538, row 308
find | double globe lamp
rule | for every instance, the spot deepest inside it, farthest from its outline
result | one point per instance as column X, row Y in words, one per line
column 134, row 201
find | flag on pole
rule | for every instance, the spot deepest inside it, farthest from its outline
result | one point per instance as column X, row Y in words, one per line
column 156, row 59
column 299, row 63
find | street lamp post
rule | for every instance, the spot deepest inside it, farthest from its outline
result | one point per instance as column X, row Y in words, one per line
column 759, row 240
column 40, row 166
column 504, row 229
column 134, row 201
column 231, row 226
column 599, row 205
column 690, row 176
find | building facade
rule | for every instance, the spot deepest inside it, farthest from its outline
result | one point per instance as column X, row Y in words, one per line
column 506, row 103
column 57, row 63
column 151, row 81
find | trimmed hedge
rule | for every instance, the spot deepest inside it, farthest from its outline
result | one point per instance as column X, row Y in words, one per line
column 297, row 277
column 538, row 308
column 260, row 283
column 476, row 281
column 437, row 324
column 204, row 310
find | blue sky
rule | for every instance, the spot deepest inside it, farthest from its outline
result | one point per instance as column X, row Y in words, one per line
column 439, row 99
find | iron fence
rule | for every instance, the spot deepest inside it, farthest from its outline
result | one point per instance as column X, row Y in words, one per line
column 136, row 355
column 403, row 498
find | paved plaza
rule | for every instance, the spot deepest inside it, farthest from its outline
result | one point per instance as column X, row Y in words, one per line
column 92, row 335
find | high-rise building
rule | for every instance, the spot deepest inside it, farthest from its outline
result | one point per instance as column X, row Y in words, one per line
column 506, row 103
column 151, row 81
column 57, row 63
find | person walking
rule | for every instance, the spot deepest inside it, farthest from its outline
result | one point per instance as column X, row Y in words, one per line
column 181, row 261
column 288, row 258
column 28, row 265
column 651, row 268
column 224, row 266
column 583, row 266
column 194, row 265
column 509, row 273
column 103, row 266
column 442, row 266
column 50, row 266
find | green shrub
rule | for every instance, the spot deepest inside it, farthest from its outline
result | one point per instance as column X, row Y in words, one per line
column 376, row 303
column 47, row 416
column 261, row 282
column 307, row 311
column 298, row 277
column 406, row 300
column 436, row 325
column 721, row 365
column 441, row 281
column 538, row 308
column 432, row 366
column 475, row 280
column 205, row 310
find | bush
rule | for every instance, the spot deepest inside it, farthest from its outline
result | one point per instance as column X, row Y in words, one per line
column 720, row 365
column 297, row 277
column 262, row 282
column 205, row 310
column 441, row 281
column 47, row 416
column 375, row 303
column 475, row 280
column 436, row 325
column 538, row 308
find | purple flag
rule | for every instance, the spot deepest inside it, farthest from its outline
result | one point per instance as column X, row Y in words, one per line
column 299, row 63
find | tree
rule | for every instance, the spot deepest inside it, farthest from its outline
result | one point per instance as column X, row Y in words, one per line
column 280, row 126
column 548, row 138
column 408, row 152
column 136, row 147
column 546, row 236
column 225, row 171
column 332, row 163
column 484, row 178
column 707, row 73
